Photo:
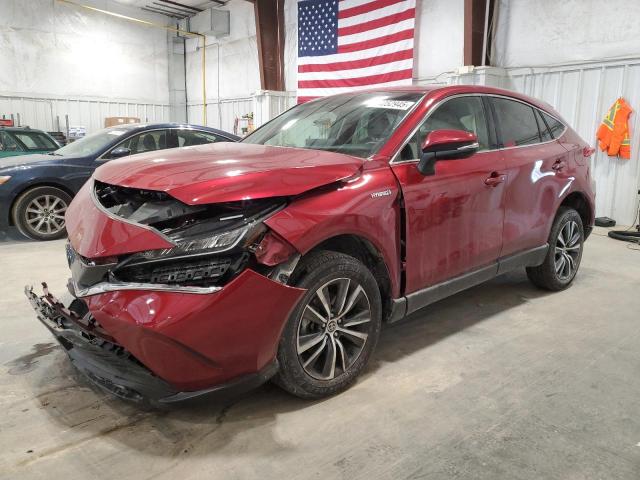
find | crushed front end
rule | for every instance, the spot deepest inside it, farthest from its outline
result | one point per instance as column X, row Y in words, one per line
column 172, row 300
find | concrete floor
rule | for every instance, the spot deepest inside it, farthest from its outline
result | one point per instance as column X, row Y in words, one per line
column 501, row 381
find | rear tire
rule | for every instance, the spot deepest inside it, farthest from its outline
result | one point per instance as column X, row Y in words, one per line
column 39, row 212
column 562, row 262
column 332, row 332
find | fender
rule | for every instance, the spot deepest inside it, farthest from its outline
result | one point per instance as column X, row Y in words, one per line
column 365, row 206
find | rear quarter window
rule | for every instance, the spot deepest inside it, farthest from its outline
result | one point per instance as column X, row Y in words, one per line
column 555, row 126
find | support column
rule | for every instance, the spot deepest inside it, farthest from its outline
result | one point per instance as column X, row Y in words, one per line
column 270, row 34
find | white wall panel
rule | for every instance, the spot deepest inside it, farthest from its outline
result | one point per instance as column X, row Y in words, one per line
column 43, row 113
column 53, row 49
column 548, row 32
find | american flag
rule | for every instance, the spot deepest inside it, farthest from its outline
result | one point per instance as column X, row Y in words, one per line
column 346, row 45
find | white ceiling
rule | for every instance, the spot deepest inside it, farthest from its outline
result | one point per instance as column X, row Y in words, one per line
column 170, row 8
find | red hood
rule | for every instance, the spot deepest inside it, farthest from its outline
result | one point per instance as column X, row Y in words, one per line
column 225, row 172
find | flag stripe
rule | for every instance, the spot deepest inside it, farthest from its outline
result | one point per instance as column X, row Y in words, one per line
column 367, row 7
column 358, row 72
column 357, row 81
column 377, row 33
column 346, row 57
column 321, row 92
column 376, row 42
column 382, row 12
column 356, row 64
column 376, row 23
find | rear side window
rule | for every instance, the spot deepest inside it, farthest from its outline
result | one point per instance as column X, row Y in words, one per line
column 555, row 126
column 36, row 141
column 518, row 125
column 188, row 138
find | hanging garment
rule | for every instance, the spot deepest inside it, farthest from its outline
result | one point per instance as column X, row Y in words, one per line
column 613, row 133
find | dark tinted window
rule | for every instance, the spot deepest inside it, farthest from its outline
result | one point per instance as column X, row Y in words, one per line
column 188, row 138
column 462, row 113
column 545, row 134
column 517, row 122
column 555, row 126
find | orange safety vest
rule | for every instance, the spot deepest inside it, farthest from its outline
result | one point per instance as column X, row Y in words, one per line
column 613, row 133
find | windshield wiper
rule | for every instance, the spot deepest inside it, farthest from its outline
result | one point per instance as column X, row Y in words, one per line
column 56, row 154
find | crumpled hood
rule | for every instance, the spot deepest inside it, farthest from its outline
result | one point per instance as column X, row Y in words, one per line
column 225, row 172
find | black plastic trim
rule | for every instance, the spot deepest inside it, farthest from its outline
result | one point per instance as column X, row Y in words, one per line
column 528, row 258
column 401, row 307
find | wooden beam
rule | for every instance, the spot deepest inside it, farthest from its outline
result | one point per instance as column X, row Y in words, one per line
column 270, row 33
column 474, row 21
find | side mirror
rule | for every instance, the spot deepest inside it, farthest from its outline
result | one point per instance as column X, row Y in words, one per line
column 119, row 152
column 446, row 145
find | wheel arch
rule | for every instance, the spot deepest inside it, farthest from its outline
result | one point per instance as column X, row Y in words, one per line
column 580, row 203
column 31, row 186
column 369, row 255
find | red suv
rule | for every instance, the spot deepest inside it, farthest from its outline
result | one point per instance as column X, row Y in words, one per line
column 216, row 267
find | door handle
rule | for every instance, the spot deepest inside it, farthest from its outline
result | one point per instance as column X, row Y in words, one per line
column 495, row 179
column 558, row 165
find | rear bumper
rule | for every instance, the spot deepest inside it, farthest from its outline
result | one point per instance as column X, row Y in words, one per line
column 167, row 347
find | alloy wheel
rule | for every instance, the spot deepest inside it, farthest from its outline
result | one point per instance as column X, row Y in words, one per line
column 333, row 329
column 567, row 250
column 45, row 214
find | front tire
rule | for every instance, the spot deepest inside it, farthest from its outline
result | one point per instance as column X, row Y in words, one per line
column 39, row 212
column 561, row 264
column 332, row 332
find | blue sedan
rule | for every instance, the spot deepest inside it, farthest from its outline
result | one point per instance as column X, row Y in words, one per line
column 35, row 190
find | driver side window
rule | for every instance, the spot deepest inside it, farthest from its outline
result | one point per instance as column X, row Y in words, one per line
column 461, row 113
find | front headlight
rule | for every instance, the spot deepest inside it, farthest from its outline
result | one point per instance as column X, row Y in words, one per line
column 4, row 179
column 211, row 244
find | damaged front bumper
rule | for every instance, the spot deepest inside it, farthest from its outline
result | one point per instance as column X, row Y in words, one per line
column 146, row 363
column 167, row 319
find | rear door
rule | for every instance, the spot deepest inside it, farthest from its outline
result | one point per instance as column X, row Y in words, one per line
column 454, row 217
column 537, row 172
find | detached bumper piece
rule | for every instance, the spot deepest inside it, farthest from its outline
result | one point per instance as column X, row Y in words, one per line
column 110, row 366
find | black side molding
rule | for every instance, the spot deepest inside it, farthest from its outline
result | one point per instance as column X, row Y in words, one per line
column 528, row 258
column 401, row 307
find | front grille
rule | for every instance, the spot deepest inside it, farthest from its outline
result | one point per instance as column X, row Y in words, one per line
column 194, row 273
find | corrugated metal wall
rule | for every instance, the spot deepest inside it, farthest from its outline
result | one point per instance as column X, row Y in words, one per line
column 264, row 105
column 221, row 114
column 44, row 113
column 583, row 95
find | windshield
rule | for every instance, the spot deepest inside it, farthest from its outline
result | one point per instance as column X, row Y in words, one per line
column 92, row 144
column 355, row 124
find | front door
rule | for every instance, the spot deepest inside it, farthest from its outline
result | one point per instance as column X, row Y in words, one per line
column 454, row 218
